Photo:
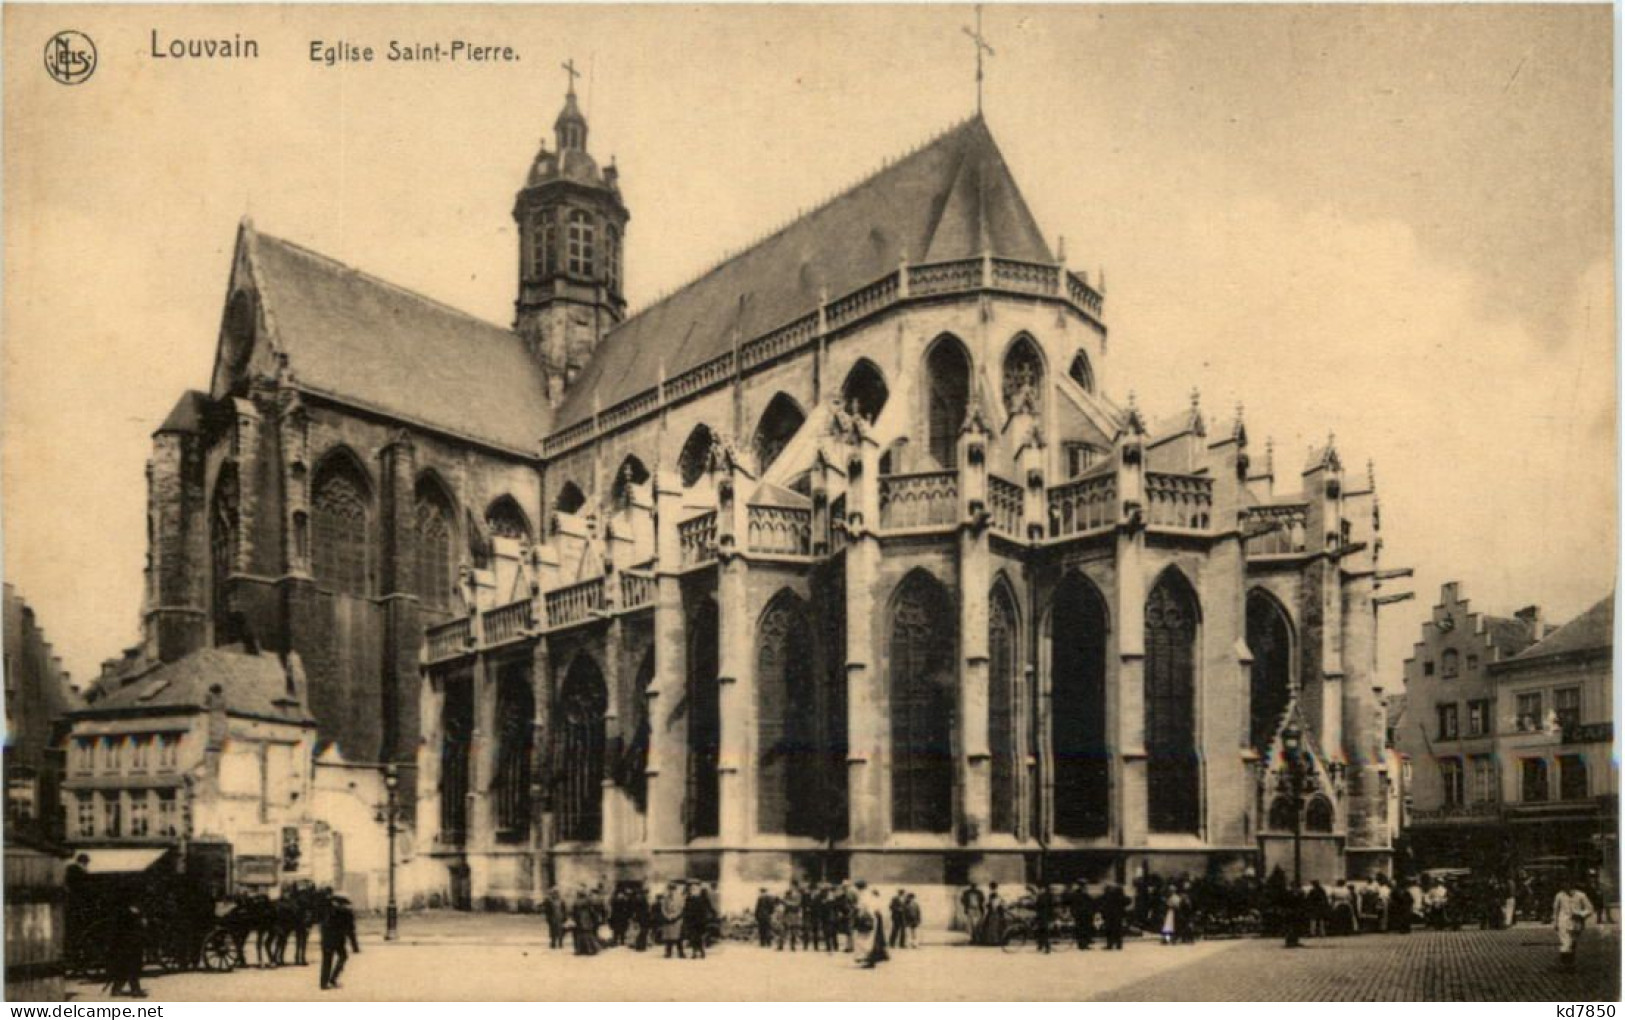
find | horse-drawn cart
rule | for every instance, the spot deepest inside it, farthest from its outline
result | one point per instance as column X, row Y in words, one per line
column 178, row 905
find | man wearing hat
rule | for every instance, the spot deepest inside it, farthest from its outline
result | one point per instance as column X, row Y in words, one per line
column 338, row 932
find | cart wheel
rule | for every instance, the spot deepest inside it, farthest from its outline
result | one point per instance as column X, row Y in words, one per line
column 1015, row 940
column 219, row 953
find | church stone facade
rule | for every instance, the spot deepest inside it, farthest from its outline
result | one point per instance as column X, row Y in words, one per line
column 838, row 561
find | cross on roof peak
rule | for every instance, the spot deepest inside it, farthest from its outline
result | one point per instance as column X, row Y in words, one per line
column 981, row 47
column 570, row 69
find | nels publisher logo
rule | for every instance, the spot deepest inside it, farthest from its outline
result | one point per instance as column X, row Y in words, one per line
column 70, row 57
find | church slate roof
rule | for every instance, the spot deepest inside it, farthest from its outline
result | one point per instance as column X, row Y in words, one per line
column 187, row 414
column 253, row 685
column 369, row 342
column 1591, row 631
column 952, row 198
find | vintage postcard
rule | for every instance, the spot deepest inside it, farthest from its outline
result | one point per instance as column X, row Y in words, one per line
column 810, row 502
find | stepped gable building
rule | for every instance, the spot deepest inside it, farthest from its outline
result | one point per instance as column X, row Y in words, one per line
column 38, row 697
column 1449, row 730
column 838, row 560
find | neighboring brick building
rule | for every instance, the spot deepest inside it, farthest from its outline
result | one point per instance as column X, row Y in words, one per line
column 1555, row 726
column 837, row 560
column 38, row 698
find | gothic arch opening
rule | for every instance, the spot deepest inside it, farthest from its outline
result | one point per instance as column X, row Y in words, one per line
column 570, row 499
column 1173, row 772
column 1023, row 376
column 1318, row 815
column 1004, row 705
column 515, row 725
column 774, row 431
column 948, row 375
column 432, row 517
column 341, row 514
column 923, row 648
column 578, row 752
column 1078, row 733
column 505, row 519
column 864, row 393
column 1269, row 636
column 1081, row 372
column 695, row 457
column 704, row 723
column 789, row 762
column 456, row 741
column 628, row 476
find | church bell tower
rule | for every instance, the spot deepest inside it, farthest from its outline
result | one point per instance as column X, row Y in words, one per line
column 572, row 228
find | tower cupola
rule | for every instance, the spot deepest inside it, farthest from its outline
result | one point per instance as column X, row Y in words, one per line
column 572, row 225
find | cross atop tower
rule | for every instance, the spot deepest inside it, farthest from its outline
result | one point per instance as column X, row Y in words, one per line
column 981, row 47
column 570, row 69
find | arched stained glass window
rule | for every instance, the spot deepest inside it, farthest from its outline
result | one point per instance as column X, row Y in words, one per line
column 1173, row 775
column 948, row 370
column 695, row 457
column 516, row 719
column 1078, row 734
column 578, row 753
column 1317, row 817
column 789, row 762
column 1081, row 373
column 505, row 519
column 223, row 517
column 923, row 680
column 704, row 724
column 1269, row 637
column 339, row 523
column 1023, row 376
column 431, row 521
column 1004, row 672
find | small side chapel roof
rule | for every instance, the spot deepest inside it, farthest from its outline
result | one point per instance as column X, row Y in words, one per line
column 360, row 338
column 953, row 198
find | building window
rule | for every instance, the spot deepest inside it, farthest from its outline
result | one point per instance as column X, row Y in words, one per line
column 432, row 521
column 1173, row 769
column 948, row 375
column 339, row 512
column 582, row 242
column 168, row 827
column 84, row 754
column 86, row 810
column 112, row 818
column 1023, row 377
column 921, row 663
column 1472, row 663
column 1080, row 457
column 1529, row 712
column 695, row 458
column 1535, row 785
column 1451, row 663
column 1478, row 717
column 138, row 814
column 1566, row 703
column 1571, row 775
column 1081, row 373
column 1449, row 722
column 114, row 758
column 864, row 393
column 789, row 755
column 543, row 237
column 169, row 751
column 1451, row 780
column 1484, row 779
column 1080, row 748
column 1427, row 668
column 140, row 753
column 778, row 426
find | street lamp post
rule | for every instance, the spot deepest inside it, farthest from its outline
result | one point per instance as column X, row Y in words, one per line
column 1292, row 745
column 392, row 781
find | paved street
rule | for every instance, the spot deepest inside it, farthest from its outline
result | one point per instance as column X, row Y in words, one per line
column 484, row 957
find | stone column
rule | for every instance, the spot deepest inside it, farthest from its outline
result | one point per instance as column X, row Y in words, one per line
column 975, row 774
column 736, row 681
column 541, row 824
column 431, row 701
column 482, row 756
column 668, row 732
column 1129, row 802
column 245, row 450
column 868, row 792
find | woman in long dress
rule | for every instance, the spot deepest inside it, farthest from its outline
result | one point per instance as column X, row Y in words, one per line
column 1170, row 917
column 671, row 920
column 876, row 909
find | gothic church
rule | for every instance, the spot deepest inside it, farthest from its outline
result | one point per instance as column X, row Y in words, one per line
column 837, row 561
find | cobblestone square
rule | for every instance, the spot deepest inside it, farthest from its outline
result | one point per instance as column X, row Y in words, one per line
column 452, row 957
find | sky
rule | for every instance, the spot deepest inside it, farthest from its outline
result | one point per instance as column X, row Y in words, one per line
column 1392, row 223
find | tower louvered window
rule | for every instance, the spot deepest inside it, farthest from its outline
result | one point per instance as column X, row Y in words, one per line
column 583, row 242
column 339, row 525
